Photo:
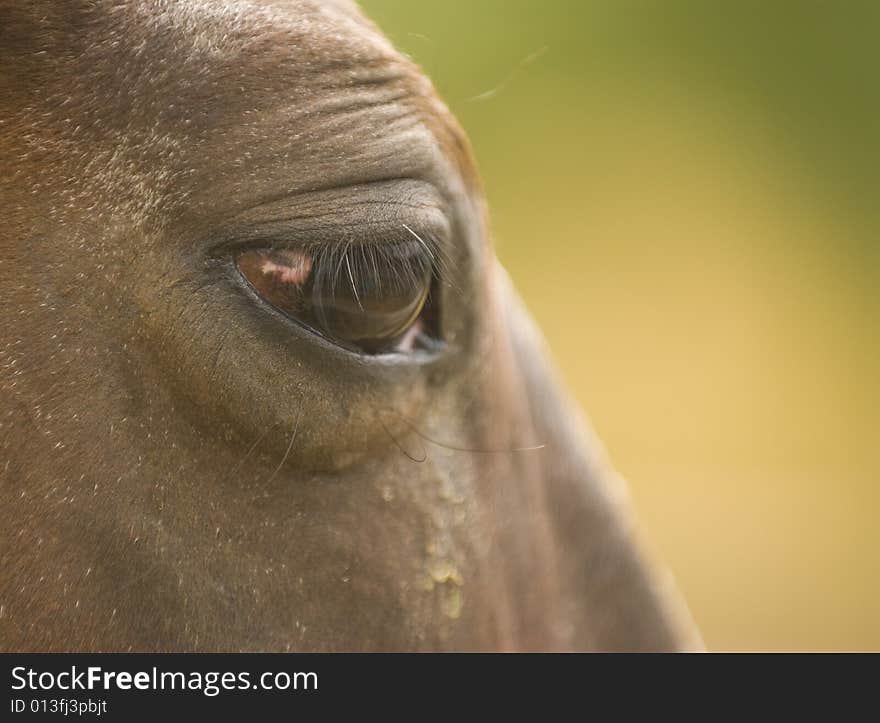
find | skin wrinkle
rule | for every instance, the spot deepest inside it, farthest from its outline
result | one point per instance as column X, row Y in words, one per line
column 382, row 205
column 183, row 470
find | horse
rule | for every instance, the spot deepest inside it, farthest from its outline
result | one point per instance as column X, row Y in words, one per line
column 265, row 385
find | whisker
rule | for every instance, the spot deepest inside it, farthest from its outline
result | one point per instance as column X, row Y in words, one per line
column 397, row 444
column 528, row 60
column 250, row 451
column 287, row 452
column 456, row 447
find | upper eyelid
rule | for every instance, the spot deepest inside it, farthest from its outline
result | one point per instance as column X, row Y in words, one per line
column 281, row 236
column 381, row 203
column 382, row 208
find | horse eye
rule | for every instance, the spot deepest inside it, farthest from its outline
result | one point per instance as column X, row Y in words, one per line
column 361, row 298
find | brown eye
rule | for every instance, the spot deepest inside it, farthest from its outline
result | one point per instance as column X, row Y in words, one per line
column 370, row 299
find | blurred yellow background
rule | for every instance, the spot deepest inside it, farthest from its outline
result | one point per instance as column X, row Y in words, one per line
column 687, row 194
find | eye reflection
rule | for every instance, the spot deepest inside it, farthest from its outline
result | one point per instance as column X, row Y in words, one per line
column 370, row 299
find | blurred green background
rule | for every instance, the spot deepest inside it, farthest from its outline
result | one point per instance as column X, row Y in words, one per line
column 686, row 194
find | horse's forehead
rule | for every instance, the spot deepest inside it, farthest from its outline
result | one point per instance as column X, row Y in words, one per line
column 254, row 32
column 287, row 91
column 197, row 50
column 238, row 48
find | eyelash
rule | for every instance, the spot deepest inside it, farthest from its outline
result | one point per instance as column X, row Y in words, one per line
column 397, row 266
